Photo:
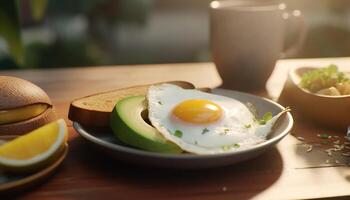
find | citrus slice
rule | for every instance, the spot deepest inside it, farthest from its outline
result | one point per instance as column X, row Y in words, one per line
column 34, row 149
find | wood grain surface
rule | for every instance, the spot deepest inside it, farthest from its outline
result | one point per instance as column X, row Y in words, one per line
column 285, row 172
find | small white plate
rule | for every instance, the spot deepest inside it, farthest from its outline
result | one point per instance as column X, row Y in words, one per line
column 108, row 143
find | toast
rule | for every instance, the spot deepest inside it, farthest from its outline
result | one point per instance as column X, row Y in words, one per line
column 94, row 110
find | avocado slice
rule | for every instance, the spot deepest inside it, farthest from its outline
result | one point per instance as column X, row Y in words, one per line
column 129, row 127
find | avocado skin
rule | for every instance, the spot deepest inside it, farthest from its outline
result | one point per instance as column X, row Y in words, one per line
column 129, row 135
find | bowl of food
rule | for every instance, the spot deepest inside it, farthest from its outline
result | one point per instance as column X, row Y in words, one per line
column 175, row 127
column 320, row 94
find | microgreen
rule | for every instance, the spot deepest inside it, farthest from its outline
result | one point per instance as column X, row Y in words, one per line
column 267, row 116
column 178, row 133
column 324, row 136
column 318, row 79
column 228, row 147
column 236, row 145
column 325, row 142
column 247, row 125
column 204, row 131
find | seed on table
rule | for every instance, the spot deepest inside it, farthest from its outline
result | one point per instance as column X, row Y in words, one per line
column 309, row 148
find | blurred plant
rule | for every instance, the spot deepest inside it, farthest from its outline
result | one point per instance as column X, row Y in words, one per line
column 64, row 32
column 9, row 29
column 38, row 8
column 67, row 33
column 10, row 25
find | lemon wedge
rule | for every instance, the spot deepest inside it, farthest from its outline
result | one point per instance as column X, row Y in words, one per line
column 34, row 149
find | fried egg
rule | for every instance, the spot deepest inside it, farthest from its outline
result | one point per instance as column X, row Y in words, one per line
column 204, row 123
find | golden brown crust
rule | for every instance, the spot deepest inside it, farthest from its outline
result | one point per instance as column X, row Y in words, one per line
column 205, row 89
column 91, row 118
column 26, row 126
column 94, row 110
column 16, row 92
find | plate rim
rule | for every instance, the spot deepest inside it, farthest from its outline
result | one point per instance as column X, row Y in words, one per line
column 37, row 176
column 129, row 150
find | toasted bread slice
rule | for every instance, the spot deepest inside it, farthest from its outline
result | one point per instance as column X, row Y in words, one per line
column 95, row 110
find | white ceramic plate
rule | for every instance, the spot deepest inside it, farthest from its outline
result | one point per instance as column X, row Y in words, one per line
column 108, row 143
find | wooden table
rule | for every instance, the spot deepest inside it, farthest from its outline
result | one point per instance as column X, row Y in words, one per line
column 284, row 172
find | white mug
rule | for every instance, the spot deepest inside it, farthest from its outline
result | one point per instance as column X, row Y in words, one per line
column 247, row 37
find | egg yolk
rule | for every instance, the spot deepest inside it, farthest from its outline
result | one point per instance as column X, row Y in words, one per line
column 198, row 111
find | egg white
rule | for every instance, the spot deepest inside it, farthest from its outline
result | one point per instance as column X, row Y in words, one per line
column 237, row 129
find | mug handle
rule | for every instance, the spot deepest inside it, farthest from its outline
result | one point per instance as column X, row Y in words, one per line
column 296, row 16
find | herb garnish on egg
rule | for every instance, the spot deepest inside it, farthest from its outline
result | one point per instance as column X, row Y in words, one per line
column 324, row 136
column 228, row 147
column 205, row 130
column 226, row 130
column 178, row 133
column 204, row 123
column 267, row 116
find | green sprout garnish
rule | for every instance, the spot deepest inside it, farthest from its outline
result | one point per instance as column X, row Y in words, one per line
column 247, row 125
column 178, row 133
column 267, row 116
column 228, row 147
column 225, row 131
column 204, row 131
column 325, row 142
column 322, row 78
column 324, row 136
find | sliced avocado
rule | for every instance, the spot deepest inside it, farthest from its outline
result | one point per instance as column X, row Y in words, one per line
column 129, row 127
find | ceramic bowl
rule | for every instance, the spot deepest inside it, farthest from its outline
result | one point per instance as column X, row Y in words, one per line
column 330, row 111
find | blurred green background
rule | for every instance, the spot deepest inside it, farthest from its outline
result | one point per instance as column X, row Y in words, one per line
column 67, row 33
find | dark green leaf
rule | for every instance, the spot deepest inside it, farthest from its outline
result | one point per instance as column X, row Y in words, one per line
column 10, row 29
column 178, row 133
column 38, row 8
column 324, row 136
column 236, row 145
column 228, row 147
column 205, row 130
column 267, row 116
column 325, row 142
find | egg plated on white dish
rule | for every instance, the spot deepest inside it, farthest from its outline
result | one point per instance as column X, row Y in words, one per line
column 204, row 123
